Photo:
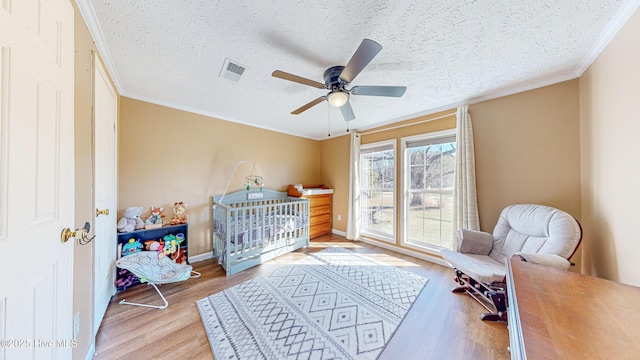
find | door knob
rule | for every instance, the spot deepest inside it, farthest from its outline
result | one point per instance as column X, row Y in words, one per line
column 102, row 212
column 68, row 234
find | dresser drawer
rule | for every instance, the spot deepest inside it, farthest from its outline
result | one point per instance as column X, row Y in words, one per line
column 320, row 219
column 320, row 210
column 319, row 201
column 321, row 229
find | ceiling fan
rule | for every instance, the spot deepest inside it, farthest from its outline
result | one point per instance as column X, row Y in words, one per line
column 336, row 79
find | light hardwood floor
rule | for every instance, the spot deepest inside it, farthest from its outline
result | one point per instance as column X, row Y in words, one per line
column 440, row 325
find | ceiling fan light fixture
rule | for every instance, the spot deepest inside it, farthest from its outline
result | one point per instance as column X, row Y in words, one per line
column 338, row 98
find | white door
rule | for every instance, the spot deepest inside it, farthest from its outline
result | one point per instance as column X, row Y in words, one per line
column 36, row 178
column 105, row 115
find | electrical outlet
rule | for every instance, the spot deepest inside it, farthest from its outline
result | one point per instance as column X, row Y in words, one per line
column 339, row 217
column 76, row 325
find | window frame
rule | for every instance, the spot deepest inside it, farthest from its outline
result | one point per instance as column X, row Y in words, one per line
column 381, row 146
column 404, row 231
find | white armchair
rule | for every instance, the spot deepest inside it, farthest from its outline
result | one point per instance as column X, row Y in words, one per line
column 538, row 233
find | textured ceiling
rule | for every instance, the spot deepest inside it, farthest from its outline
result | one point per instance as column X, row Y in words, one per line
column 447, row 52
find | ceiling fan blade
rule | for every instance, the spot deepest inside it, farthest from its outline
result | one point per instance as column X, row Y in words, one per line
column 308, row 105
column 296, row 78
column 347, row 112
column 367, row 50
column 395, row 91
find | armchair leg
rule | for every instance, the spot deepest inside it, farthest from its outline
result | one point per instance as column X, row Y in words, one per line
column 460, row 289
column 490, row 296
column 493, row 317
column 499, row 302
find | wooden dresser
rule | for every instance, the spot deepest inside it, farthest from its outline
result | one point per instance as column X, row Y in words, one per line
column 319, row 207
column 556, row 314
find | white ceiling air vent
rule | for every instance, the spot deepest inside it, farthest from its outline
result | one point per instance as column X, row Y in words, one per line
column 232, row 70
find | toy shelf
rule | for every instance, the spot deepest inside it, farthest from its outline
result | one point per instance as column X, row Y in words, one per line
column 125, row 279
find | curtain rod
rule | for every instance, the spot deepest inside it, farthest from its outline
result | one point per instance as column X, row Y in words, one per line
column 404, row 125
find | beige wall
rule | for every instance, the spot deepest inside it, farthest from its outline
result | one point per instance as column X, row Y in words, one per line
column 334, row 173
column 527, row 151
column 609, row 92
column 168, row 155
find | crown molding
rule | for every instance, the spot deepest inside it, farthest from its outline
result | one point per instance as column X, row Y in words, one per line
column 89, row 15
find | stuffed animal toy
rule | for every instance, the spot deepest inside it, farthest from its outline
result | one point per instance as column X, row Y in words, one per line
column 180, row 256
column 165, row 251
column 151, row 245
column 180, row 217
column 131, row 220
column 155, row 219
column 133, row 246
column 160, row 249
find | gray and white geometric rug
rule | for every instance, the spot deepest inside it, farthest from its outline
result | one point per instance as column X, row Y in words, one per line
column 334, row 304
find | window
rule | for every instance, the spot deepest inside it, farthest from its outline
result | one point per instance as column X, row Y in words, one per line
column 377, row 185
column 428, row 189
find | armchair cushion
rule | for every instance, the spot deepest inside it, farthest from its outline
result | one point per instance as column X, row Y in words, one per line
column 482, row 268
column 533, row 228
column 474, row 242
column 550, row 260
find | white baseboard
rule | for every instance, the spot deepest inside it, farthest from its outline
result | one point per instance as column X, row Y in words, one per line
column 415, row 254
column 200, row 257
column 338, row 232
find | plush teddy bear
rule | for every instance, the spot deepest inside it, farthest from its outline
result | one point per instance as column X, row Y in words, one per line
column 131, row 220
column 180, row 217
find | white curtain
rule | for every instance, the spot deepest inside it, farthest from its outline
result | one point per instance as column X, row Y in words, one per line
column 353, row 216
column 465, row 215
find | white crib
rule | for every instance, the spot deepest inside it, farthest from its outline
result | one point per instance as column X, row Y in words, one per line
column 250, row 227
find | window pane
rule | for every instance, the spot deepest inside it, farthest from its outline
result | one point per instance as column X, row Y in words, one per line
column 446, row 234
column 417, row 177
column 448, row 165
column 416, row 156
column 431, row 175
column 377, row 186
column 433, row 154
column 416, row 217
column 432, row 206
column 366, row 170
column 447, row 207
column 388, row 170
column 432, row 232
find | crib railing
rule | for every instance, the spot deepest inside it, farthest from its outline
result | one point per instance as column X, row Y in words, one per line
column 248, row 228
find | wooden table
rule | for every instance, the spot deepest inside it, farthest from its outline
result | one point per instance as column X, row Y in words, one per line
column 555, row 314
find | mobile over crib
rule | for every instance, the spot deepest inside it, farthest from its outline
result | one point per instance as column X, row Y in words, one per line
column 251, row 227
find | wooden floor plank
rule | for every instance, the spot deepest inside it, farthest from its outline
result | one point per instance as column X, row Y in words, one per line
column 440, row 325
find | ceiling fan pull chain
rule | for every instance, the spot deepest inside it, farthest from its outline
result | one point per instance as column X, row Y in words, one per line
column 328, row 119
